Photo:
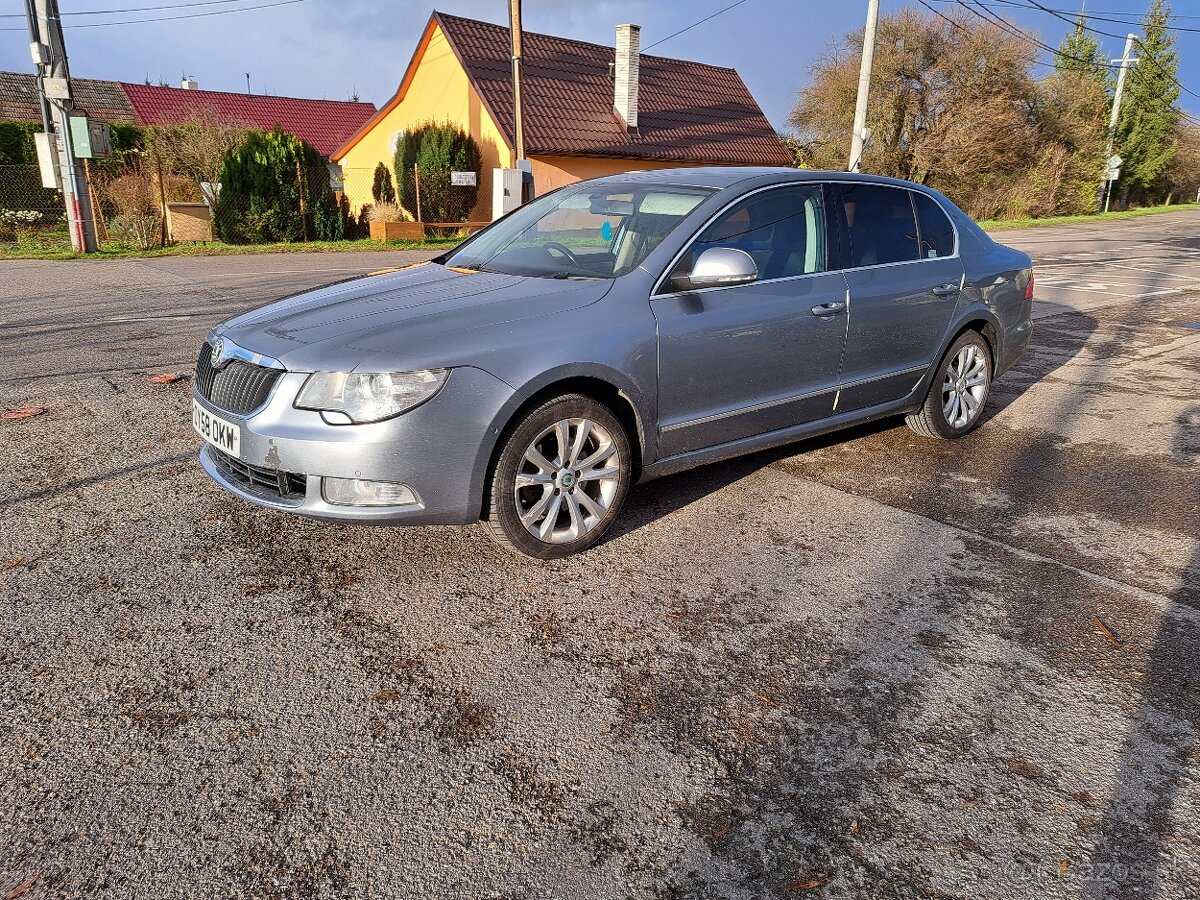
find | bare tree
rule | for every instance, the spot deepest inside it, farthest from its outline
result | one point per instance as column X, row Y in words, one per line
column 197, row 147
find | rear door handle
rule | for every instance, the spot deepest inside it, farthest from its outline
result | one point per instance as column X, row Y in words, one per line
column 828, row 309
column 945, row 290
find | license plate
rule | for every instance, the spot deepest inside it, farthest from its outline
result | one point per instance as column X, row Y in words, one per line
column 221, row 434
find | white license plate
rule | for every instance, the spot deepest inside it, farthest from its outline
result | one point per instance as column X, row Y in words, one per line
column 221, row 434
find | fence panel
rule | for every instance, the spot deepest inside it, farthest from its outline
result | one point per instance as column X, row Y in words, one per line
column 30, row 215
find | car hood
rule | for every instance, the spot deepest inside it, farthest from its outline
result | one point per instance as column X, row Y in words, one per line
column 424, row 316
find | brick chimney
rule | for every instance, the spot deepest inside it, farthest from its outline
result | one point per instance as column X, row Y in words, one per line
column 625, row 85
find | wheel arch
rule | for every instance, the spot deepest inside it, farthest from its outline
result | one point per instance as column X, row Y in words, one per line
column 603, row 386
column 985, row 325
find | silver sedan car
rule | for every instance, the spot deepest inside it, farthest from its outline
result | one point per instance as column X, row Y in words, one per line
column 607, row 333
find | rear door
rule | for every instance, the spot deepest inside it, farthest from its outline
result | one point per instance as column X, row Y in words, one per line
column 744, row 360
column 904, row 277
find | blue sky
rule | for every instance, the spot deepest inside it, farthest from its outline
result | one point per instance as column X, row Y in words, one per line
column 335, row 48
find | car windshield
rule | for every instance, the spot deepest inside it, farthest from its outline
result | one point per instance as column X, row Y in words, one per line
column 580, row 232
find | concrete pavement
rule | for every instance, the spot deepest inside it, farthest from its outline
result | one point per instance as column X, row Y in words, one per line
column 864, row 666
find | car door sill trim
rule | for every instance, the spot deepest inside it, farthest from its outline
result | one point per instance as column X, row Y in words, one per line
column 909, row 371
column 744, row 410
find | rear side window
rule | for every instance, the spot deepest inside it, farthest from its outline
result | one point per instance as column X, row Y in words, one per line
column 937, row 234
column 880, row 223
column 782, row 229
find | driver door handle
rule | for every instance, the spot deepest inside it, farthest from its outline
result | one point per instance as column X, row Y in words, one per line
column 828, row 309
column 945, row 290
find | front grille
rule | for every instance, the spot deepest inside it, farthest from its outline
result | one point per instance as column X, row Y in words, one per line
column 269, row 484
column 237, row 387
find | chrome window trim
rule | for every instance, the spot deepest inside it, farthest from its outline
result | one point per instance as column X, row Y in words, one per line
column 915, row 189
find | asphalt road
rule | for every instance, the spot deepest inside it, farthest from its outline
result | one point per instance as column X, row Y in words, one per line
column 865, row 666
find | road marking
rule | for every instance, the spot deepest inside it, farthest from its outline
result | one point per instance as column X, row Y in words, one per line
column 148, row 318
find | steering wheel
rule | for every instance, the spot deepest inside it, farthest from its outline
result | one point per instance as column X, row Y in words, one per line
column 565, row 251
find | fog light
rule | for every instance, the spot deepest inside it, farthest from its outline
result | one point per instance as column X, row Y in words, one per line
column 360, row 492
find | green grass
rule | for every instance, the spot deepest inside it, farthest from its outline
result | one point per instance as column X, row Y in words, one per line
column 1004, row 224
column 55, row 243
column 56, row 246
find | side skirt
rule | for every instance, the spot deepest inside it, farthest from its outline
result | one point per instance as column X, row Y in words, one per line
column 681, row 461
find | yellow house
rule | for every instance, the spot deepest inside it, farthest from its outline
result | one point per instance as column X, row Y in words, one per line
column 589, row 110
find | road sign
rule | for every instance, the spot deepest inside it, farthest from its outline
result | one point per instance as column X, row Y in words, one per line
column 463, row 179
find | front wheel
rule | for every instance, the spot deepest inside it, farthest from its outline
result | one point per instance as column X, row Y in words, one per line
column 959, row 391
column 559, row 480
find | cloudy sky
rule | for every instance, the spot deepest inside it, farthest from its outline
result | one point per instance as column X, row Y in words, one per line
column 337, row 48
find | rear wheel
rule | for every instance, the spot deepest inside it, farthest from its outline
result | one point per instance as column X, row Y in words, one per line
column 959, row 391
column 560, row 479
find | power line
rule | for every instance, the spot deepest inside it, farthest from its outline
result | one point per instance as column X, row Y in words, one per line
column 130, row 9
column 1072, row 17
column 694, row 24
column 1146, row 57
column 995, row 19
column 218, row 12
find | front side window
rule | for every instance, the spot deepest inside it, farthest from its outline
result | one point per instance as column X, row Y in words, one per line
column 881, row 225
column 580, row 232
column 937, row 234
column 783, row 231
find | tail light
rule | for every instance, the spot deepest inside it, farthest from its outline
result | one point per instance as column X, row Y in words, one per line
column 1029, row 286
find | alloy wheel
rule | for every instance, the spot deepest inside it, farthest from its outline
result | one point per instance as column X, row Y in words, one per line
column 965, row 386
column 567, row 480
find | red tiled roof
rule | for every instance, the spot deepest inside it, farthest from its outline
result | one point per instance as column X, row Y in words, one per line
column 687, row 111
column 102, row 100
column 326, row 124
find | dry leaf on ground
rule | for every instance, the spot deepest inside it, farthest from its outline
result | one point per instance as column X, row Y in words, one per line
column 167, row 378
column 24, row 886
column 24, row 412
column 1108, row 635
column 808, row 884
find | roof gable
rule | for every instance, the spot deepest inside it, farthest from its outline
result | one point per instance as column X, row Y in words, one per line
column 325, row 124
column 687, row 111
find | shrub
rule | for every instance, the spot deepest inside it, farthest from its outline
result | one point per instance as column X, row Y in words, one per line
column 266, row 182
column 387, row 212
column 137, row 217
column 436, row 150
column 382, row 189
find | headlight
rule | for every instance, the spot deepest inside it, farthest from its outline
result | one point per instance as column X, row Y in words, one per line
column 369, row 396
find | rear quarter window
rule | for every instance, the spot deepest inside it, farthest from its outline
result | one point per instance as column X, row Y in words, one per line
column 937, row 233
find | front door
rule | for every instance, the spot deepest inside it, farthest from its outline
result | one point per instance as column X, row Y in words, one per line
column 744, row 360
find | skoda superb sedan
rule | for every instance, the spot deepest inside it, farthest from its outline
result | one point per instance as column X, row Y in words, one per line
column 607, row 333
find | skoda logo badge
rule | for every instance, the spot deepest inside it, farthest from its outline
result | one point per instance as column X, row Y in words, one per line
column 218, row 351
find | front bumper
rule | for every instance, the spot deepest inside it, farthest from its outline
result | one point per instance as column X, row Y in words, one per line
column 441, row 450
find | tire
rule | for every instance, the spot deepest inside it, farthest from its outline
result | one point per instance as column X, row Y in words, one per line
column 558, row 510
column 940, row 417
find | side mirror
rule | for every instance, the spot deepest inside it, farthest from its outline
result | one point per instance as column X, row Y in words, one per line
column 719, row 267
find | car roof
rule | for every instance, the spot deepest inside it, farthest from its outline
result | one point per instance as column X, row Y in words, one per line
column 721, row 177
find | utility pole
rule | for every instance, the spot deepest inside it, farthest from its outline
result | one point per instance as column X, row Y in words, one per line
column 54, row 78
column 514, row 27
column 859, row 136
column 1126, row 61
